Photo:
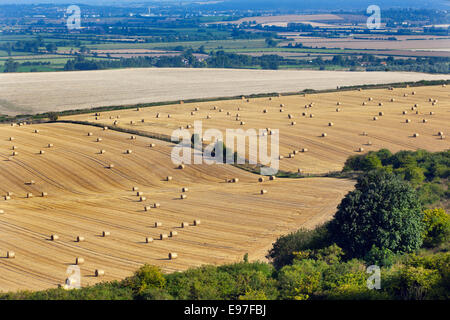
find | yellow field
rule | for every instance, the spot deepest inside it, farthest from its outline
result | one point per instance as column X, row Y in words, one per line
column 344, row 137
column 39, row 92
column 85, row 198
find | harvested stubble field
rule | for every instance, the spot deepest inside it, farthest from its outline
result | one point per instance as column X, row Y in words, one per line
column 84, row 197
column 56, row 91
column 343, row 138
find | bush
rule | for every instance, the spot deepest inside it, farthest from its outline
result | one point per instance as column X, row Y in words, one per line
column 282, row 252
column 145, row 278
column 383, row 211
column 436, row 227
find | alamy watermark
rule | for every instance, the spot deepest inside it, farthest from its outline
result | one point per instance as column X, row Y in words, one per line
column 191, row 149
column 374, row 21
column 74, row 18
column 73, row 280
column 374, row 281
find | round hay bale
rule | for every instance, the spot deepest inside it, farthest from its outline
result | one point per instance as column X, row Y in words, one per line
column 142, row 199
column 293, row 123
column 263, row 191
column 424, row 120
column 99, row 139
column 50, row 145
column 29, row 195
column 139, row 193
column 381, row 114
column 135, row 189
column 442, row 137
column 364, row 103
column 290, row 116
column 102, row 151
column 44, row 194
column 392, row 100
column 2, row 211
column 106, row 234
column 370, row 99
column 133, row 138
column 295, row 151
column 431, row 113
column 10, row 255
column 196, row 109
column 79, row 261
column 132, row 122
column 9, row 194
column 152, row 145
column 242, row 123
column 369, row 143
column 440, row 133
column 184, row 190
column 304, row 150
column 197, row 223
column 173, row 255
column 173, row 234
column 311, row 115
column 148, row 240
column 408, row 120
column 147, row 208
column 324, row 134
column 41, row 152
column 361, row 150
column 7, row 198
column 105, row 128
column 111, row 166
column 417, row 112
column 291, row 155
column 99, row 273
column 208, row 117
column 156, row 205
column 265, row 111
column 11, row 138
column 365, row 134
column 169, row 178
column 158, row 224
column 184, row 224
column 330, row 124
column 80, row 239
column 304, row 114
column 375, row 118
column 415, row 135
column 192, row 113
column 413, row 93
column 261, row 179
column 169, row 116
column 405, row 112
column 338, row 109
column 90, row 134
column 14, row 147
column 338, row 103
column 158, row 115
column 380, row 104
column 54, row 237
column 280, row 157
column 281, row 110
column 36, row 131
column 272, row 178
column 183, row 197
column 235, row 180
column 163, row 236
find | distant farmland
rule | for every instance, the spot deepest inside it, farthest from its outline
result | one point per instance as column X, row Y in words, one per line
column 42, row 92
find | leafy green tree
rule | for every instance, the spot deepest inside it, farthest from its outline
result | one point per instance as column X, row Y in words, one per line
column 146, row 277
column 436, row 227
column 11, row 65
column 383, row 211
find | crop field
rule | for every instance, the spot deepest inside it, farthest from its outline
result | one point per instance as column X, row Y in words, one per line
column 43, row 92
column 60, row 183
column 350, row 128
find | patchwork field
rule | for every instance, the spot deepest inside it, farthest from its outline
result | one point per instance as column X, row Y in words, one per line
column 343, row 138
column 42, row 92
column 84, row 196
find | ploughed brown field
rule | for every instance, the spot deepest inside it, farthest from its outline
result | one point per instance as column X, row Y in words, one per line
column 84, row 196
column 353, row 125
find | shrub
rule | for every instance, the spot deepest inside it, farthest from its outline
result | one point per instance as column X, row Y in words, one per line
column 436, row 227
column 282, row 252
column 383, row 211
